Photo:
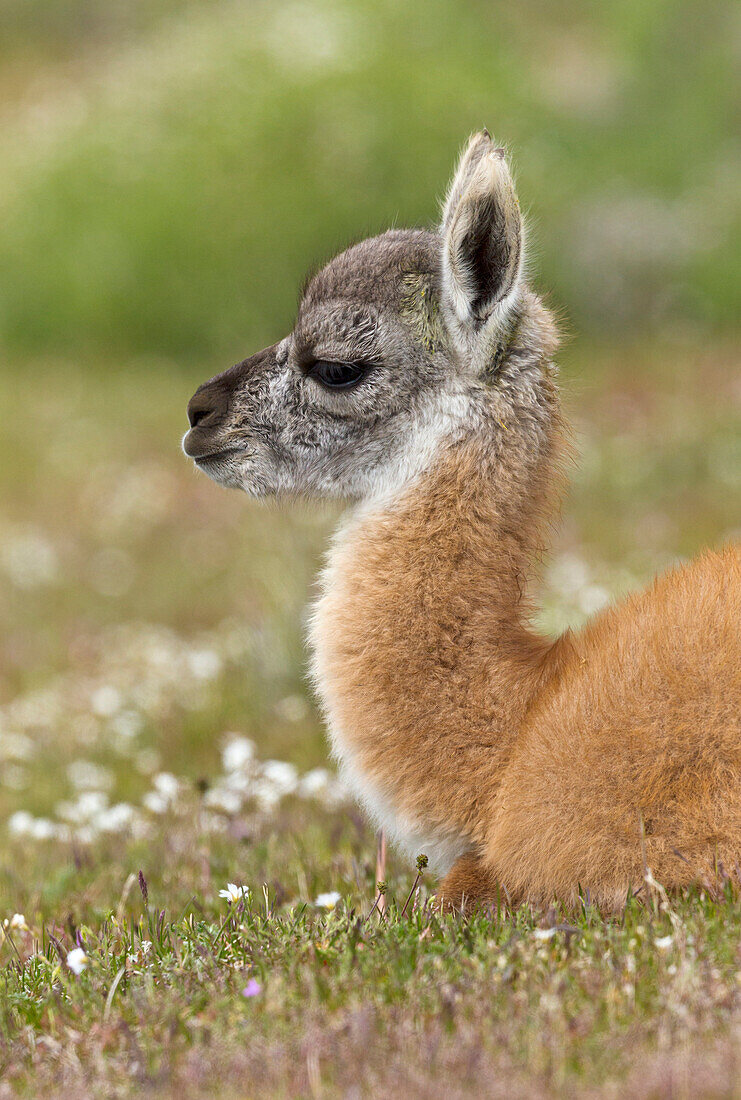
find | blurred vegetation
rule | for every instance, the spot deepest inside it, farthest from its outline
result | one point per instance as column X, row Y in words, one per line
column 169, row 171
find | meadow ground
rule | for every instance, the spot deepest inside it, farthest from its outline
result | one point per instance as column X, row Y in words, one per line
column 155, row 717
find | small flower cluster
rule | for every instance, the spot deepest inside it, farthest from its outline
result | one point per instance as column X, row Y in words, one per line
column 245, row 779
column 16, row 923
column 138, row 676
column 141, row 955
column 234, row 893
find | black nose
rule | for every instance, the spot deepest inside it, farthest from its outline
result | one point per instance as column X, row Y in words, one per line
column 206, row 405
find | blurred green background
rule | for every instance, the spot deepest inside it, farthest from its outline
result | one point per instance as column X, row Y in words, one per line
column 169, row 172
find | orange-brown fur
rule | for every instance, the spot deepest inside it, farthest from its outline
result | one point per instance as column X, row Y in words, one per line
column 567, row 764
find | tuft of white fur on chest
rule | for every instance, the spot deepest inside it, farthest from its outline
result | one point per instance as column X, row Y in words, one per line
column 411, row 837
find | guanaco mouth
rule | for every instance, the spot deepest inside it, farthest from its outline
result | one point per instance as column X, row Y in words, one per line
column 214, row 456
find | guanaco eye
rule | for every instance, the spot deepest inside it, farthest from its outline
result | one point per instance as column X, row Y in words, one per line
column 338, row 376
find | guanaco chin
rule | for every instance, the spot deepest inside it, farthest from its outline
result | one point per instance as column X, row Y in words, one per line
column 418, row 385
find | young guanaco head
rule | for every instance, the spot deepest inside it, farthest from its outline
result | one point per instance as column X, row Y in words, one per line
column 402, row 344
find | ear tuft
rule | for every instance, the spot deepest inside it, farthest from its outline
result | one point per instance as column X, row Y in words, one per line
column 478, row 146
column 482, row 233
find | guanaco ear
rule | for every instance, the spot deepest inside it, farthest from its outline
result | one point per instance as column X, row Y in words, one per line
column 482, row 233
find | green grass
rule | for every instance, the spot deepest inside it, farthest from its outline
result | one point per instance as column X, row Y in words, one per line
column 261, row 999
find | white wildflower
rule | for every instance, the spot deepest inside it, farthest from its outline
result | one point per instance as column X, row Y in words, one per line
column 90, row 804
column 239, row 782
column 282, row 775
column 90, row 808
column 116, row 818
column 315, row 782
column 20, row 823
column 664, row 942
column 267, row 794
column 43, row 829
column 18, row 923
column 77, row 960
column 220, row 798
column 293, row 708
column 204, row 664
column 155, row 802
column 544, row 933
column 234, row 893
column 138, row 959
column 167, row 785
column 85, row 775
column 127, row 724
column 105, row 701
column 327, row 901
column 323, row 786
column 237, row 753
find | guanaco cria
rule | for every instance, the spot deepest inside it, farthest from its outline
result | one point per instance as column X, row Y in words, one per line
column 418, row 385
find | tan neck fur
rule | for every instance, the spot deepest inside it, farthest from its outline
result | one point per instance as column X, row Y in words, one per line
column 423, row 656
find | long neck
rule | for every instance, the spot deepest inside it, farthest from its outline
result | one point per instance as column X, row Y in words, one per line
column 422, row 651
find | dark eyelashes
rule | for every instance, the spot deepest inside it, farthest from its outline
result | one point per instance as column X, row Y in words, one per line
column 336, row 375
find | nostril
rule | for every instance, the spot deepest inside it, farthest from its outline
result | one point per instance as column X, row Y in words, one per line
column 208, row 405
column 197, row 415
column 199, row 410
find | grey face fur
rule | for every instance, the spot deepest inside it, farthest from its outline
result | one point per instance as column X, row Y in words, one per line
column 430, row 317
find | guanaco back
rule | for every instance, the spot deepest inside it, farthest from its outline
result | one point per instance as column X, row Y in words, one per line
column 418, row 386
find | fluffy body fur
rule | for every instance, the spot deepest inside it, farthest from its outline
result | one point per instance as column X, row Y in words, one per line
column 516, row 763
column 546, row 766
